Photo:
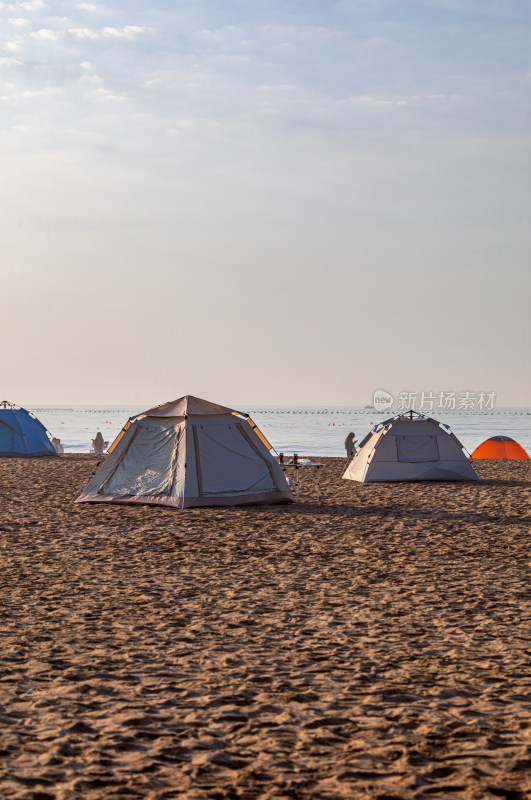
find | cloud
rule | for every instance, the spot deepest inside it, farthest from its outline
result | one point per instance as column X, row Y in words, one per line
column 90, row 7
column 32, row 5
column 29, row 130
column 91, row 79
column 14, row 46
column 267, row 112
column 45, row 35
column 319, row 34
column 366, row 100
column 9, row 61
column 84, row 33
column 312, row 34
column 129, row 32
column 108, row 94
column 278, row 87
column 49, row 92
column 18, row 22
column 401, row 102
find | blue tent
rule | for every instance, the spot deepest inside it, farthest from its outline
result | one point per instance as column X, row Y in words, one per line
column 21, row 434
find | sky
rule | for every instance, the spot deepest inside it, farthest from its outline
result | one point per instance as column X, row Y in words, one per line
column 264, row 202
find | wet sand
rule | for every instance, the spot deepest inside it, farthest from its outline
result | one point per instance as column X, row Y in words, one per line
column 376, row 645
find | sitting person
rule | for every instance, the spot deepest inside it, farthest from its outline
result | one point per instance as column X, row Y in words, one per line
column 350, row 445
column 98, row 445
column 58, row 446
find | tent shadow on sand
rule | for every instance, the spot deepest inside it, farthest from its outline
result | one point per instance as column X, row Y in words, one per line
column 505, row 482
column 401, row 512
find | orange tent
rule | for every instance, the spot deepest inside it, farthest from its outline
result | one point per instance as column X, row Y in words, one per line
column 499, row 447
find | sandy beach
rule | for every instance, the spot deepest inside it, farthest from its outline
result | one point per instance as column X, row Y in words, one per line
column 374, row 645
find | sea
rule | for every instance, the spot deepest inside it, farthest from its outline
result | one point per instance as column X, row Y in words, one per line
column 306, row 430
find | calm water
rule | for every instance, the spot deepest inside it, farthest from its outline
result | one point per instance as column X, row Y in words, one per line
column 307, row 431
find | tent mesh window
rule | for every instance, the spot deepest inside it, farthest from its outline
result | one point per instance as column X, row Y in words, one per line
column 416, row 449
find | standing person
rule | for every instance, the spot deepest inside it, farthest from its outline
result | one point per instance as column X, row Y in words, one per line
column 98, row 445
column 350, row 445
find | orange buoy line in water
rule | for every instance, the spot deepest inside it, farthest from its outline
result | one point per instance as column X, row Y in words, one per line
column 500, row 447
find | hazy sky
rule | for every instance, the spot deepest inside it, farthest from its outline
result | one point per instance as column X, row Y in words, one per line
column 264, row 201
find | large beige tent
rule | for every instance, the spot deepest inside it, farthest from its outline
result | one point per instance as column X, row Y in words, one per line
column 189, row 452
column 410, row 447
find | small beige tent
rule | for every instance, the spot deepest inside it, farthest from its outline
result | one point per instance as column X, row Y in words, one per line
column 410, row 447
column 189, row 453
